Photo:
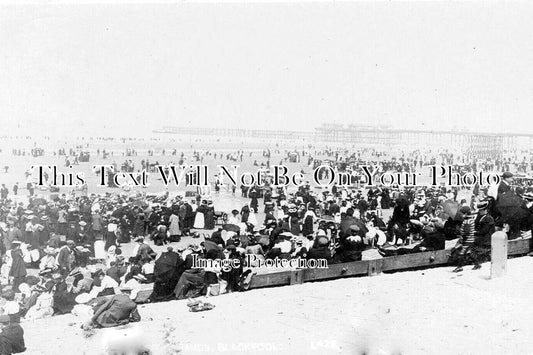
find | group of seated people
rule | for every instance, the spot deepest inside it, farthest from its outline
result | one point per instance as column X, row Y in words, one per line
column 59, row 289
column 69, row 280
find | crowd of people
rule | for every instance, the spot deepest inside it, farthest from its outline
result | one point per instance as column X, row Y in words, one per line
column 95, row 255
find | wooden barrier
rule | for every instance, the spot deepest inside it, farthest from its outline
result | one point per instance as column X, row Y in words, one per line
column 367, row 267
column 518, row 247
column 371, row 267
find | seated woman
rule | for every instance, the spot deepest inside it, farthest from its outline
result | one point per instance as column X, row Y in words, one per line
column 432, row 234
column 255, row 248
column 320, row 250
column 115, row 311
column 103, row 285
column 160, row 235
column 233, row 275
column 351, row 246
column 398, row 233
column 284, row 245
column 191, row 284
column 167, row 271
column 11, row 336
column 374, row 236
column 80, row 279
column 147, row 269
column 64, row 300
column 300, row 250
column 11, row 307
column 48, row 261
column 38, row 304
column 212, row 273
column 111, row 256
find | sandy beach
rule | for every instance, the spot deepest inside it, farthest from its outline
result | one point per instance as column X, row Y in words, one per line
column 419, row 312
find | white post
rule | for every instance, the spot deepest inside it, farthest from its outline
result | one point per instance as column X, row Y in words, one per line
column 498, row 254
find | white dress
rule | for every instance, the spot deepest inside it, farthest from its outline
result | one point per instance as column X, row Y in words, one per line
column 199, row 222
column 252, row 219
column 99, row 251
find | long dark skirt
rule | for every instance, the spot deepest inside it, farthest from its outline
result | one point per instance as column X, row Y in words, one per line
column 191, row 284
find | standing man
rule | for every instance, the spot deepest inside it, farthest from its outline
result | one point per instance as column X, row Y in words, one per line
column 15, row 188
column 30, row 188
column 483, row 229
column 4, row 192
column 505, row 184
column 97, row 225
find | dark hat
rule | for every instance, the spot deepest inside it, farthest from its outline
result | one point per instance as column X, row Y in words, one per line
column 507, row 175
column 465, row 210
column 45, row 272
column 482, row 205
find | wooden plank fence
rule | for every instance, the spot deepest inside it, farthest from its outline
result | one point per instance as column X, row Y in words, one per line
column 421, row 260
column 370, row 267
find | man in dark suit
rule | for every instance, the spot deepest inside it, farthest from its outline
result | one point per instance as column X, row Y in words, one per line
column 505, row 184
column 528, row 198
column 507, row 196
column 484, row 228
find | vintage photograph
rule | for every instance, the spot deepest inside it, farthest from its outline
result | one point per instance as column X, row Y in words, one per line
column 266, row 178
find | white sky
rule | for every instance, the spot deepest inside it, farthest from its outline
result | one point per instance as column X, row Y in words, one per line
column 294, row 66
